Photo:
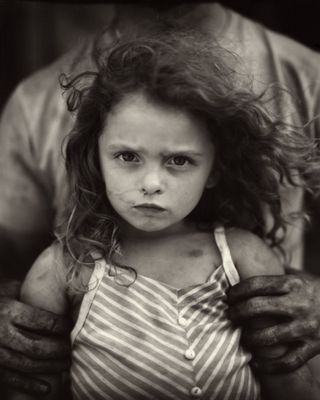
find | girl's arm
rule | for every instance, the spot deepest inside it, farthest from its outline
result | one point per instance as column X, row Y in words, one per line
column 253, row 257
column 45, row 287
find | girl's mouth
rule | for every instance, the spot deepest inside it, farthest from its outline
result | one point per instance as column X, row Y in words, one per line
column 152, row 207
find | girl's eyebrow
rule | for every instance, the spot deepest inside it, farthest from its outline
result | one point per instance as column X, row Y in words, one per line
column 126, row 146
column 183, row 152
column 166, row 153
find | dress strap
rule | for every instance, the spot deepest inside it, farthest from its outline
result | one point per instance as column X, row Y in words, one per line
column 228, row 265
column 95, row 280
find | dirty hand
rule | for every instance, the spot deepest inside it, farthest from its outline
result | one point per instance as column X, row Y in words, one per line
column 293, row 300
column 32, row 341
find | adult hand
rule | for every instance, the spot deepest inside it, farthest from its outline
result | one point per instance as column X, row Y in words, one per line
column 32, row 341
column 294, row 301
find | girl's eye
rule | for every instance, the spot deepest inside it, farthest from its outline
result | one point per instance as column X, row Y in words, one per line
column 128, row 157
column 179, row 161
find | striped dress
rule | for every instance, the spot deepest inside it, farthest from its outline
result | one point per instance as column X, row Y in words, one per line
column 148, row 340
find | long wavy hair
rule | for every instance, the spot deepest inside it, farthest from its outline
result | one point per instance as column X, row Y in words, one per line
column 255, row 155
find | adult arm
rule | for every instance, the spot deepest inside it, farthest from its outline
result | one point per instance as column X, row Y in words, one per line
column 25, row 221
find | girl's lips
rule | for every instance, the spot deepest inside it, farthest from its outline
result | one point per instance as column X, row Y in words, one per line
column 150, row 207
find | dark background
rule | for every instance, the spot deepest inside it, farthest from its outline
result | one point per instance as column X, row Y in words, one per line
column 34, row 33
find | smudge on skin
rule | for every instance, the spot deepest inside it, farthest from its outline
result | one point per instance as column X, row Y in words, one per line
column 195, row 253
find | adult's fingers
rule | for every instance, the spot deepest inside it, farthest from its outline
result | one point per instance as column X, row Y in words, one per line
column 258, row 307
column 292, row 360
column 35, row 346
column 26, row 384
column 258, row 286
column 43, row 321
column 36, row 319
column 283, row 333
column 20, row 362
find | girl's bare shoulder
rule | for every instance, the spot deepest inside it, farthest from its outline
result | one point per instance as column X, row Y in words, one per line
column 251, row 255
column 45, row 284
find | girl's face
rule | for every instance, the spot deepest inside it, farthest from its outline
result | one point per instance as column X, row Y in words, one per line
column 156, row 163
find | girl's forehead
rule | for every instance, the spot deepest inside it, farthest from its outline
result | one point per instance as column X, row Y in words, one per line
column 141, row 99
column 136, row 119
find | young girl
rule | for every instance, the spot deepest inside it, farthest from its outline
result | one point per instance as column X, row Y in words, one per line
column 170, row 169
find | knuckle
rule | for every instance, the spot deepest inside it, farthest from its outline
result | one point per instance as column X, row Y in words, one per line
column 250, row 308
column 297, row 361
column 295, row 283
column 249, row 285
column 298, row 310
column 258, row 306
column 270, row 338
column 305, row 301
column 286, row 284
column 297, row 357
column 312, row 329
column 288, row 364
column 34, row 347
column 255, row 283
column 23, row 342
column 294, row 331
column 266, row 337
column 302, row 309
column 313, row 326
column 8, row 337
column 312, row 350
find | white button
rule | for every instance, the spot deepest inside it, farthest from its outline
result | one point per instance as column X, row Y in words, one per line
column 189, row 354
column 196, row 392
column 182, row 321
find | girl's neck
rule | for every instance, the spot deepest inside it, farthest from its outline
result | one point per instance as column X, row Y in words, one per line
column 132, row 235
column 170, row 257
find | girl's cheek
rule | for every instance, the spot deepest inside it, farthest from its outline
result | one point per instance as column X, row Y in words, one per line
column 118, row 192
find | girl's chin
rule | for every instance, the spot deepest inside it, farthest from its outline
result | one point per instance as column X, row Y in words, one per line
column 147, row 226
column 149, row 229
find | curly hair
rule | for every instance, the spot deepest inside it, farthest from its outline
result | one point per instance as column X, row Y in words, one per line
column 255, row 155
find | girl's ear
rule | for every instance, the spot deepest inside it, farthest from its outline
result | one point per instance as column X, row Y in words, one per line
column 212, row 180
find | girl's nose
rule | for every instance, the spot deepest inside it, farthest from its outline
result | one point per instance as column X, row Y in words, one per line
column 152, row 183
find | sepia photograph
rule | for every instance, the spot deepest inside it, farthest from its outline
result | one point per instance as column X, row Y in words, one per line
column 159, row 200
